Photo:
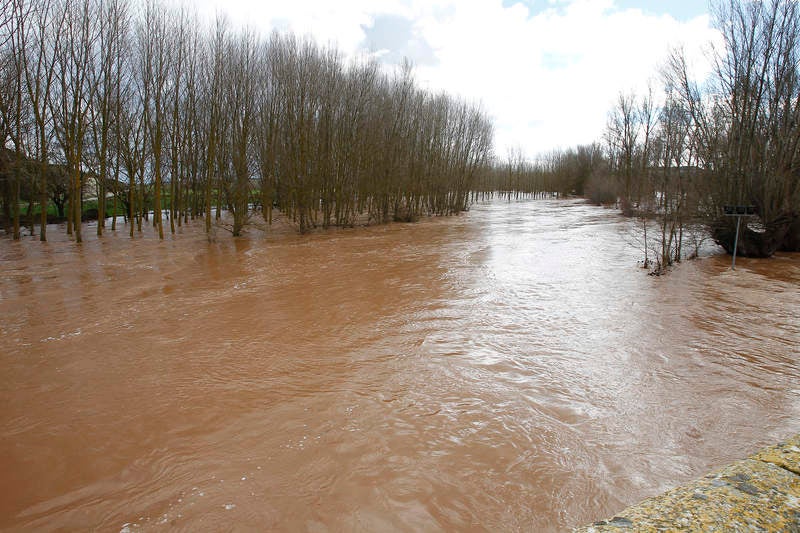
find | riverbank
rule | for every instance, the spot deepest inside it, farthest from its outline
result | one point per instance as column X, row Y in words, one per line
column 760, row 493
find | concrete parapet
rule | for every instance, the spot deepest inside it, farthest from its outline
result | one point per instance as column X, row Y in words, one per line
column 760, row 493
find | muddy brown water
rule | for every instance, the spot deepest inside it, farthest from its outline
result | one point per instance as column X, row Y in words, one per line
column 508, row 369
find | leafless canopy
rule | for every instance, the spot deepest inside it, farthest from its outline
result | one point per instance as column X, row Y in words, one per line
column 139, row 104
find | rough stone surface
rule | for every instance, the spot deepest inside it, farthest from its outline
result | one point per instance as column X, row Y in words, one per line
column 786, row 455
column 761, row 493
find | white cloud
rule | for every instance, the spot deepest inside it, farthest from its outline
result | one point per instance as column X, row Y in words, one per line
column 547, row 79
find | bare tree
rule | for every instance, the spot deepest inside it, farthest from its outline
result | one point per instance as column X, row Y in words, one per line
column 622, row 132
column 74, row 51
column 241, row 81
column 106, row 80
column 213, row 119
column 154, row 70
column 39, row 59
column 13, row 105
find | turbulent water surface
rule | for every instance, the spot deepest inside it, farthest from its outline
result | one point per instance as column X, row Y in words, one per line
column 507, row 369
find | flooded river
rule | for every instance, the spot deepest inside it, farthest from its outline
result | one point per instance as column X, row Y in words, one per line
column 507, row 369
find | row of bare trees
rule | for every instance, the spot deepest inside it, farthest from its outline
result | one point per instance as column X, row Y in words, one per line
column 733, row 139
column 163, row 115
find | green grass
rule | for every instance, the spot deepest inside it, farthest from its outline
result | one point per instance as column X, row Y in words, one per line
column 53, row 212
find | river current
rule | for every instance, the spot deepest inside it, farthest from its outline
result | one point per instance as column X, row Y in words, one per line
column 509, row 369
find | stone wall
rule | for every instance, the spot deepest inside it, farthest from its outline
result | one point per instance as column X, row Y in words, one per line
column 760, row 493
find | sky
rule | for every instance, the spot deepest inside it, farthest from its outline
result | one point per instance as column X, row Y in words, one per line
column 546, row 71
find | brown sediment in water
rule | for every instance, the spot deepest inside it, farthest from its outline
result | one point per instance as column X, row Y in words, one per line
column 508, row 369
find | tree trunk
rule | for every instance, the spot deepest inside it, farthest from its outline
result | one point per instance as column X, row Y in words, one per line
column 43, row 199
column 76, row 203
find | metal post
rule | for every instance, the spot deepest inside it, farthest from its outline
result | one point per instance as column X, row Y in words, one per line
column 736, row 242
column 738, row 211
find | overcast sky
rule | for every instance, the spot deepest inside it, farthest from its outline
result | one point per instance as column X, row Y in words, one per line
column 547, row 71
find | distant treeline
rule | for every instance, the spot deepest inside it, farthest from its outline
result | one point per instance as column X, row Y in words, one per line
column 556, row 173
column 159, row 112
